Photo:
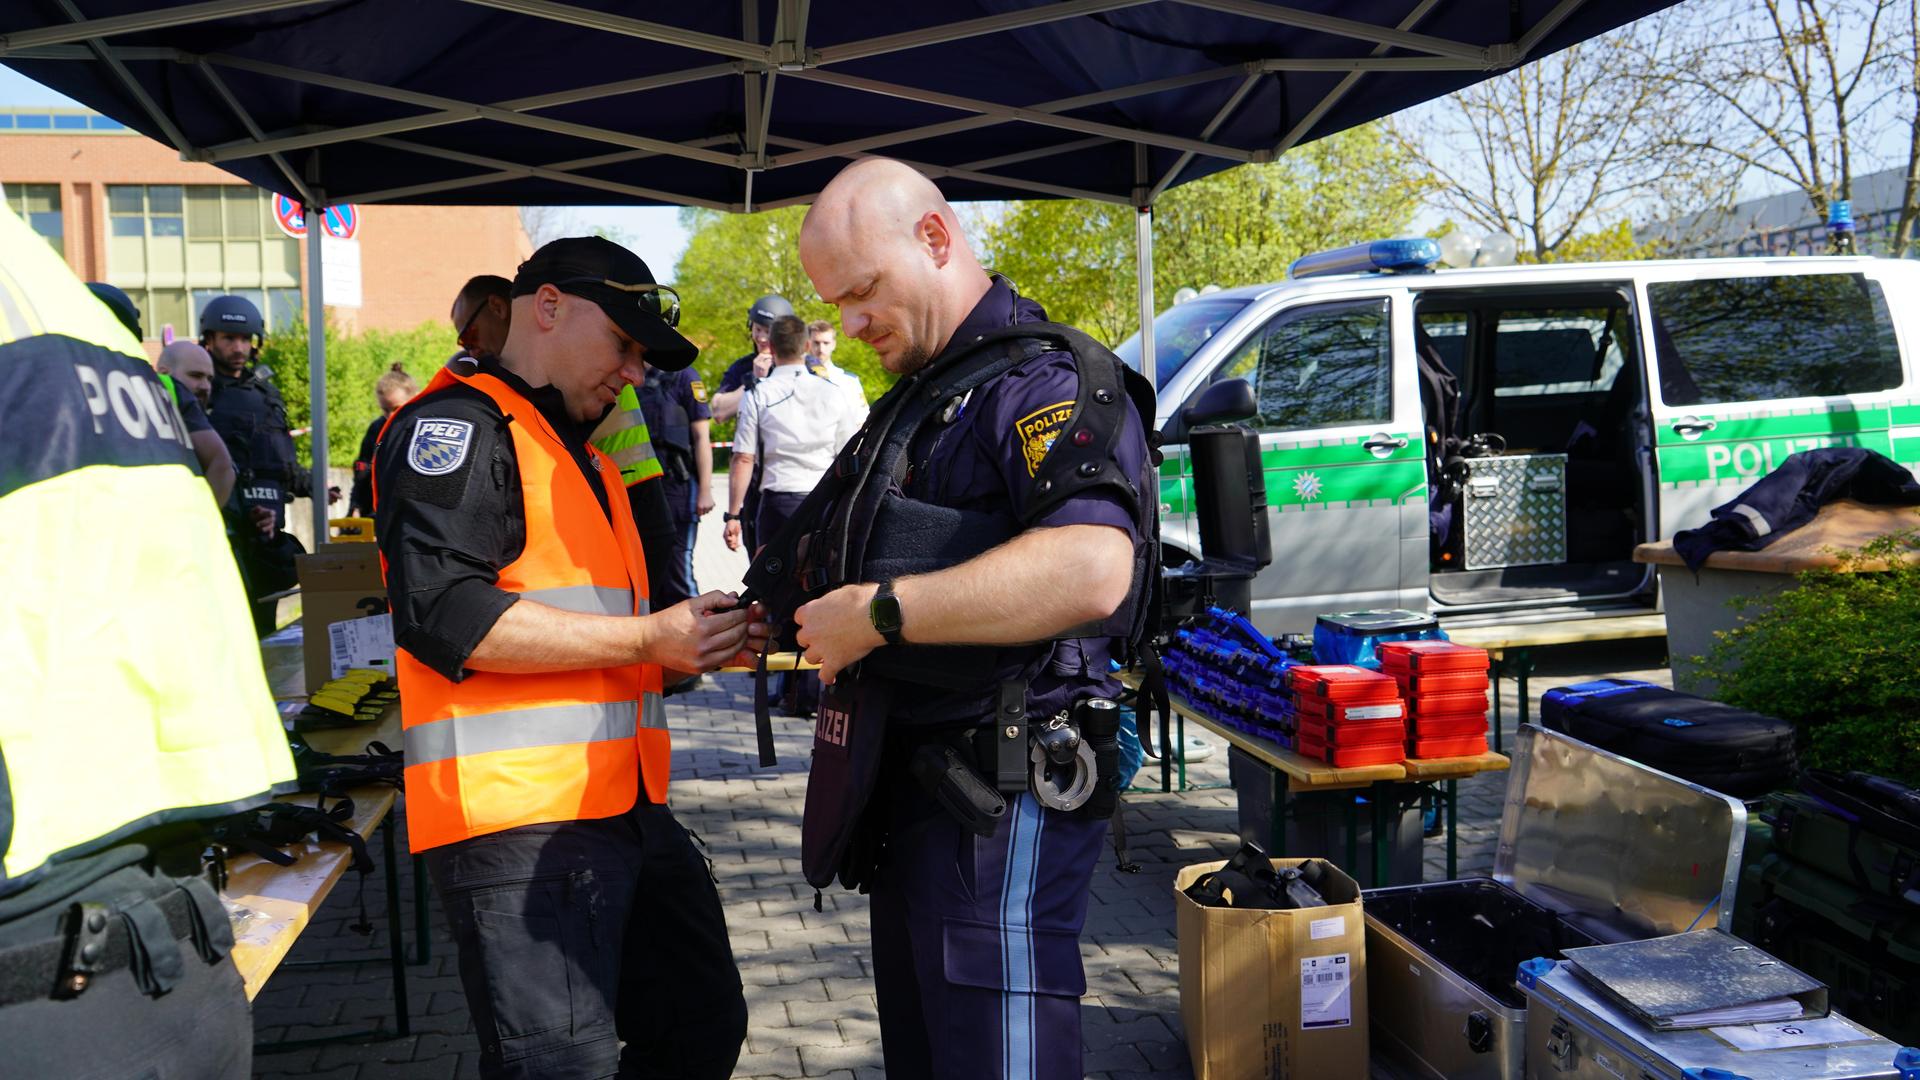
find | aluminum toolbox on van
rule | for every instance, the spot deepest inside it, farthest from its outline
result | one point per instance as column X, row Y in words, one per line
column 1574, row 1034
column 1515, row 510
column 1593, row 848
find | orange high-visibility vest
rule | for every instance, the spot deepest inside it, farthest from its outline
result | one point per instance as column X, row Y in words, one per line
column 496, row 751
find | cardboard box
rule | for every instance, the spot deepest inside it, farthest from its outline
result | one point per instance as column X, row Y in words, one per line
column 340, row 581
column 1274, row 994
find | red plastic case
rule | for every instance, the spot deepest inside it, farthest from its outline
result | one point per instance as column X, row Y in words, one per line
column 1441, row 682
column 1323, row 711
column 1342, row 682
column 1473, row 701
column 1358, row 733
column 1448, row 727
column 1455, row 746
column 1426, row 657
column 1349, row 756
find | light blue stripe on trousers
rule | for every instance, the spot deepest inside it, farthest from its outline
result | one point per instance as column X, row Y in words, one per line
column 1016, row 945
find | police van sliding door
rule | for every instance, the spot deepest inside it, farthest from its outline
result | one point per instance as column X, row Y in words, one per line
column 1747, row 369
column 1341, row 454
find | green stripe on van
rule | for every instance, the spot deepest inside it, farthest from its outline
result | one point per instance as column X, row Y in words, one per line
column 1313, row 477
column 1725, row 461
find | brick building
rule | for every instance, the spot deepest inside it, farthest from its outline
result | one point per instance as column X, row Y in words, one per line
column 126, row 210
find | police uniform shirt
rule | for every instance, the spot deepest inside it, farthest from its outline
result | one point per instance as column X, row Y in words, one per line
column 988, row 457
column 846, row 380
column 663, row 389
column 793, row 422
column 446, row 536
column 739, row 375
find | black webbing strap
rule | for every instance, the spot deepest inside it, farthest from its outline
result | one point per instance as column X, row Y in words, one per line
column 763, row 714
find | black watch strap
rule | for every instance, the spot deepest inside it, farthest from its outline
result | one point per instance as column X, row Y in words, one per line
column 884, row 610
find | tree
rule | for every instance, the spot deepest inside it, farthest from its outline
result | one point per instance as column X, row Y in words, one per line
column 355, row 363
column 1795, row 90
column 734, row 259
column 1238, row 227
column 1570, row 145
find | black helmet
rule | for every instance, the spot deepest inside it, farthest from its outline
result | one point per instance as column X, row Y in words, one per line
column 231, row 315
column 119, row 303
column 768, row 308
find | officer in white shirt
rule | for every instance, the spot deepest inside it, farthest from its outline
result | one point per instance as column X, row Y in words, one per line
column 792, row 423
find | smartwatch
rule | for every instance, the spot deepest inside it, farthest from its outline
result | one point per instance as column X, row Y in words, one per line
column 884, row 610
column 726, row 517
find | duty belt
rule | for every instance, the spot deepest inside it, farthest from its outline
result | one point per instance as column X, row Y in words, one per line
column 98, row 939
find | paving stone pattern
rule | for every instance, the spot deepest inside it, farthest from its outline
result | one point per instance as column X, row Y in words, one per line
column 809, row 985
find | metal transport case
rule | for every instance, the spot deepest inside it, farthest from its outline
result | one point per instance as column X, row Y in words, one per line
column 1515, row 510
column 1574, row 1034
column 1593, row 848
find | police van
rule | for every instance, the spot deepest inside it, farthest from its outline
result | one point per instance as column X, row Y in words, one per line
column 1599, row 406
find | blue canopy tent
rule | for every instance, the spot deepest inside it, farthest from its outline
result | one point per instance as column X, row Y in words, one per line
column 755, row 104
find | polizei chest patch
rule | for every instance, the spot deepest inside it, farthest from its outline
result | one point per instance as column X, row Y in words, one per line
column 439, row 446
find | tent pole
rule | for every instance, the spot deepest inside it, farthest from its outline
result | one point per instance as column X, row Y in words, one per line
column 316, row 218
column 1143, row 272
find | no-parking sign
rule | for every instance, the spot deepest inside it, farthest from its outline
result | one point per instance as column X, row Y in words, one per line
column 342, row 222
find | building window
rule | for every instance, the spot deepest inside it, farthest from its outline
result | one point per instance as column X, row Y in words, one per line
column 174, row 247
column 39, row 206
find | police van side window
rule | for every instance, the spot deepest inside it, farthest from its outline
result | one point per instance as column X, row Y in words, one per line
column 1763, row 338
column 1322, row 366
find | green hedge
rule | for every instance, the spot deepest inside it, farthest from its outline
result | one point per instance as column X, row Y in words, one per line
column 355, row 363
column 1837, row 656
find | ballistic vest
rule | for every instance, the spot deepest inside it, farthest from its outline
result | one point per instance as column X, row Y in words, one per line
column 623, row 436
column 251, row 418
column 496, row 751
column 135, row 691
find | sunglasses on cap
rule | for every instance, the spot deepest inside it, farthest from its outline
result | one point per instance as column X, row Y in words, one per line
column 648, row 297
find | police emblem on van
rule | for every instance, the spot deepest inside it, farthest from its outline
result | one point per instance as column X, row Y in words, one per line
column 439, row 446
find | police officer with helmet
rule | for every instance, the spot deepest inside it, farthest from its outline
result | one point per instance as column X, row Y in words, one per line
column 251, row 417
column 739, row 378
column 962, row 576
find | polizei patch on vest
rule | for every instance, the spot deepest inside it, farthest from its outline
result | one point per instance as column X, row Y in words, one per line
column 439, row 446
column 1037, row 429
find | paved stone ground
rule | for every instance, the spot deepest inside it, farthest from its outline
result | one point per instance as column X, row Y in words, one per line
column 809, row 989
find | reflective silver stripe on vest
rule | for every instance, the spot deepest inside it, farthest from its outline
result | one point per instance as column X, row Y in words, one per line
column 586, row 599
column 520, row 729
column 653, row 712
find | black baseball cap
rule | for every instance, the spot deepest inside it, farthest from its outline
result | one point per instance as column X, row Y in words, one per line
column 602, row 271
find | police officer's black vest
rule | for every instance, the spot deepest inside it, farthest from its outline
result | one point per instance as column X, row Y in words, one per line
column 857, row 525
column 251, row 418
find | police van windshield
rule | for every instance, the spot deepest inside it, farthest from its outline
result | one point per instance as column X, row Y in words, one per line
column 1178, row 333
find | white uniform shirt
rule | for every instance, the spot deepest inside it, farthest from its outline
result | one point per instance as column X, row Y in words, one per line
column 855, row 392
column 793, row 422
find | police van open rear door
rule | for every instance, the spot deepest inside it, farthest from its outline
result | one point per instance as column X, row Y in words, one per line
column 1345, row 472
column 1750, row 365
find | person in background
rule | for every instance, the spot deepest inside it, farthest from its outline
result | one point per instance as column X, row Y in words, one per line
column 821, row 337
column 790, row 426
column 674, row 406
column 482, row 312
column 393, row 390
column 187, row 371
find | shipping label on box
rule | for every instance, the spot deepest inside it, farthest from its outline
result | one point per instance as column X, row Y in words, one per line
column 337, row 583
column 361, row 643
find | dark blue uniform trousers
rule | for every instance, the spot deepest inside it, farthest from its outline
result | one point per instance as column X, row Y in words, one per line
column 681, row 504
column 976, row 944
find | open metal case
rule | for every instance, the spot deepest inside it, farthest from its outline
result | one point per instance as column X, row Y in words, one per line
column 1593, row 848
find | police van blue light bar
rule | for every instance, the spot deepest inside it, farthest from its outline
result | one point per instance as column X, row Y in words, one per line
column 1414, row 254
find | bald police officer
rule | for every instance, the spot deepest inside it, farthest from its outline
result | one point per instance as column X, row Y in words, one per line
column 1019, row 517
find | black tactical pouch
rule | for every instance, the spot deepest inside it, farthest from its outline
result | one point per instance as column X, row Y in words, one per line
column 848, row 734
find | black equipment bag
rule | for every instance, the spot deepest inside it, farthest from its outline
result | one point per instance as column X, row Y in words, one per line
column 1732, row 751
